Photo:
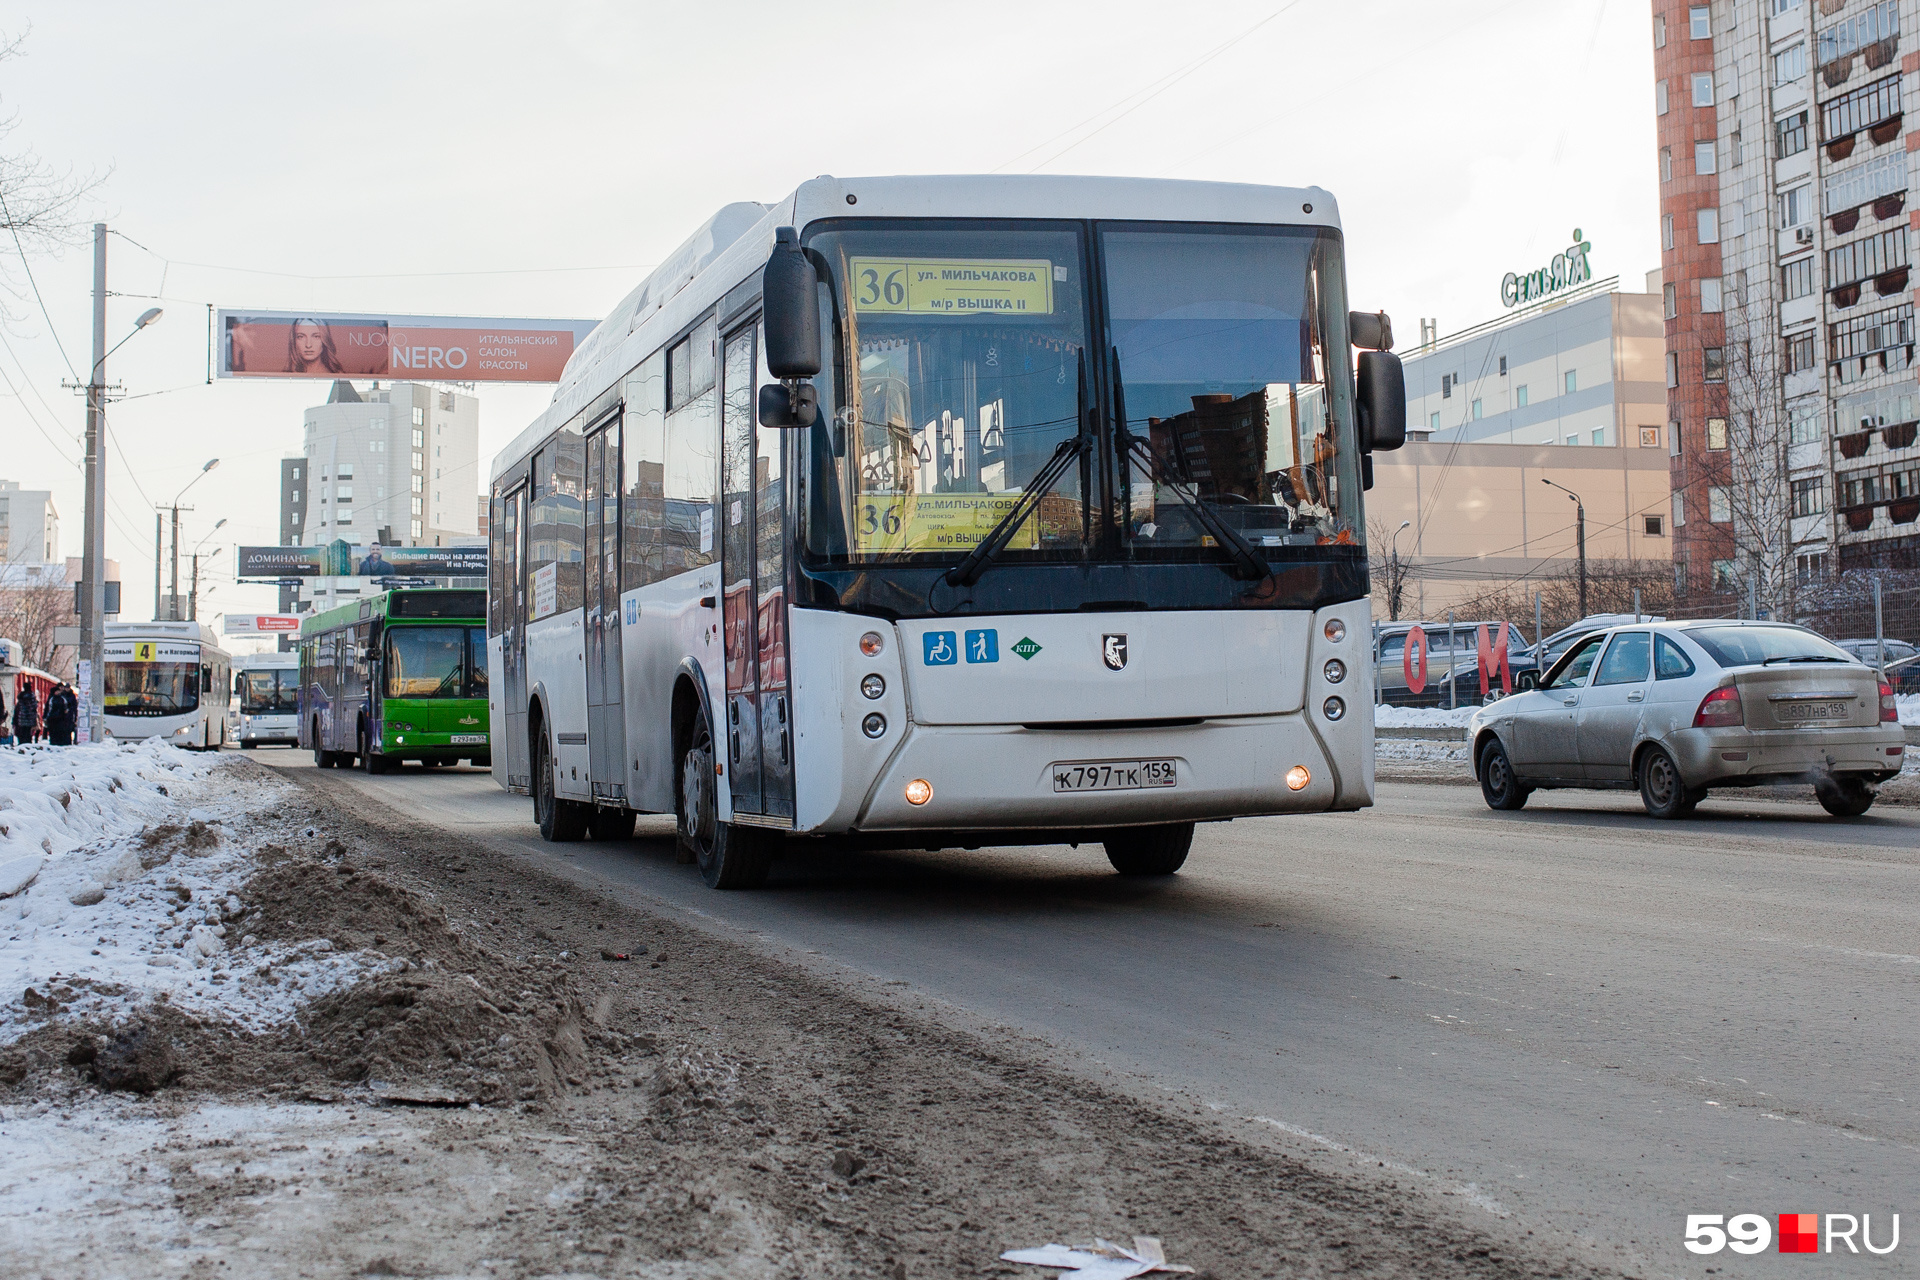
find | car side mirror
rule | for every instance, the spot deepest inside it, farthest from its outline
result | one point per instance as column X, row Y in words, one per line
column 1381, row 399
column 790, row 309
column 1370, row 330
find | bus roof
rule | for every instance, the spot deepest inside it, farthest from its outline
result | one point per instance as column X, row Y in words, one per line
column 200, row 631
column 730, row 247
column 408, row 604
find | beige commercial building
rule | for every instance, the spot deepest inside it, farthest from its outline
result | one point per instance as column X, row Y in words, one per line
column 1571, row 391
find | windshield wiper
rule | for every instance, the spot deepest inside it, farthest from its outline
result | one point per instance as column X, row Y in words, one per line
column 1065, row 454
column 1809, row 657
column 1249, row 564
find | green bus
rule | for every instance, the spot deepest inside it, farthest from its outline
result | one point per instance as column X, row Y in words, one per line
column 397, row 676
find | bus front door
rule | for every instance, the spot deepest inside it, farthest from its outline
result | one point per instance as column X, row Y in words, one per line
column 513, row 647
column 606, row 712
column 758, row 732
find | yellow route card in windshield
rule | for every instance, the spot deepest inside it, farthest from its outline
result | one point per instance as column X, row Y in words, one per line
column 953, row 286
column 935, row 521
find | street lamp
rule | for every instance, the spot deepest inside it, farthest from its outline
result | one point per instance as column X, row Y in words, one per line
column 193, row 592
column 93, row 560
column 1393, row 571
column 173, row 597
column 1580, row 537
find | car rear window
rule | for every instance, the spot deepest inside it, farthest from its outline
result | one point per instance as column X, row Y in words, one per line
column 1748, row 646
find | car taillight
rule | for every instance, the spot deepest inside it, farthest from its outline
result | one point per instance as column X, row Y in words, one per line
column 1889, row 713
column 1720, row 709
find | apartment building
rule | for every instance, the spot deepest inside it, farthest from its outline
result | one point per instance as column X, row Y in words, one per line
column 1785, row 228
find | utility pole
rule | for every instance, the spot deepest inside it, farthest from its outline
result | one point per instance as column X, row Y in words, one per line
column 173, row 578
column 193, row 593
column 93, row 561
column 1579, row 536
column 156, row 565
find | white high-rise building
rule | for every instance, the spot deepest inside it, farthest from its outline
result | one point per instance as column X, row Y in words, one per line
column 29, row 525
column 397, row 464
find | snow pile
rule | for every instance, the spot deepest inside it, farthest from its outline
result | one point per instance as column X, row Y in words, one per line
column 1385, row 717
column 1909, row 705
column 120, row 871
column 1402, row 751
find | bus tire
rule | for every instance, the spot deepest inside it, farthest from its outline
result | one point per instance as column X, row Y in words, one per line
column 729, row 856
column 560, row 821
column 1149, row 851
column 611, row 824
column 372, row 761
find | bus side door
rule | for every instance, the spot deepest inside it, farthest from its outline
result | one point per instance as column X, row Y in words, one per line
column 606, row 710
column 513, row 646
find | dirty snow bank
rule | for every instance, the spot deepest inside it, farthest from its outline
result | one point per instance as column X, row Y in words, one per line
column 1385, row 717
column 120, row 871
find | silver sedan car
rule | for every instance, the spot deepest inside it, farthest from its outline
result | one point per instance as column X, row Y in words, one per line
column 1675, row 708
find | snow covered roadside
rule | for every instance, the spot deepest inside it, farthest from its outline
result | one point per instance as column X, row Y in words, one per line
column 1909, row 705
column 1387, row 717
column 120, row 872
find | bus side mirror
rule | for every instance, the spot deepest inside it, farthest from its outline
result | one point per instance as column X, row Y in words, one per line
column 1370, row 330
column 790, row 307
column 789, row 404
column 1381, row 399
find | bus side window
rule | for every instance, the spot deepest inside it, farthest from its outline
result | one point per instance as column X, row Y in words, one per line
column 644, row 510
column 693, row 461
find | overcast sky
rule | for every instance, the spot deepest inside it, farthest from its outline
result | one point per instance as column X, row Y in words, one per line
column 509, row 159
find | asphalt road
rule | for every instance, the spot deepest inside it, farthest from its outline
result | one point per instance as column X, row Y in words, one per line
column 1575, row 1016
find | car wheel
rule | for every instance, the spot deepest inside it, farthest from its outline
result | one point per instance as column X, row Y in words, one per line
column 1662, row 790
column 729, row 856
column 561, row 821
column 1843, row 796
column 1149, row 851
column 1498, row 785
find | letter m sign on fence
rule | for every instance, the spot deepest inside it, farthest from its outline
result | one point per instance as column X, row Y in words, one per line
column 1493, row 655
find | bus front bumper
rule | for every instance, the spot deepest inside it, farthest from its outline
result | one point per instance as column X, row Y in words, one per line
column 1009, row 777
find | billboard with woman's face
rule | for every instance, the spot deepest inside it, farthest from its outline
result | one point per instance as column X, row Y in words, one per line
column 286, row 344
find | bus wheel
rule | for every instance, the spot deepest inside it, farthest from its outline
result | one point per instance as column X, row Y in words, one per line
column 561, row 821
column 322, row 758
column 371, row 761
column 729, row 856
column 611, row 824
column 1149, row 851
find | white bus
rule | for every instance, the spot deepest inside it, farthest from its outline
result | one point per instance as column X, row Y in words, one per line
column 952, row 511
column 266, row 689
column 168, row 680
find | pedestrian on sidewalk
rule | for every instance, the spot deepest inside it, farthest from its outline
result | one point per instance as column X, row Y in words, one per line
column 6, row 714
column 63, row 713
column 26, row 714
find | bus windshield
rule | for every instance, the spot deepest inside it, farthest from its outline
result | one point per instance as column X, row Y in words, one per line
column 967, row 358
column 433, row 662
column 269, row 693
column 152, row 688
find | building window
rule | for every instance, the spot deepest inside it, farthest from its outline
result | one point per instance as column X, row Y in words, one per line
column 1446, row 386
column 1796, row 206
column 1871, row 104
column 414, row 529
column 1723, row 579
column 1851, row 188
column 345, row 473
column 1697, row 24
column 1703, row 88
column 1520, row 396
column 417, row 483
column 1710, row 296
column 295, row 499
column 419, row 419
column 1660, row 97
column 1864, row 259
column 1679, row 574
column 1703, row 159
column 1654, row 526
column 1790, row 65
column 1666, row 164
column 417, row 506
column 1866, row 335
column 1708, row 226
column 1804, row 422
column 1476, row 411
column 1659, row 30
column 1666, row 231
column 1716, row 433
column 1796, row 279
column 296, row 473
column 1790, row 135
column 1679, row 509
column 1673, row 368
column 1809, row 496
column 419, row 442
column 1573, row 439
column 1433, row 422
column 416, row 462
column 1503, row 366
column 1573, row 381
column 1599, row 437
column 1714, row 364
column 1811, row 567
column 1719, row 505
column 1799, row 351
column 1649, row 437
column 1671, row 295
column 1735, row 152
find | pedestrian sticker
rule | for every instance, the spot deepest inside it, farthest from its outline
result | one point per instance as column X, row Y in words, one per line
column 1026, row 648
column 983, row 646
column 938, row 649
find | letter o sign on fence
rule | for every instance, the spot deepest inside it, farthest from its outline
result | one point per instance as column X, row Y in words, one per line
column 1416, row 673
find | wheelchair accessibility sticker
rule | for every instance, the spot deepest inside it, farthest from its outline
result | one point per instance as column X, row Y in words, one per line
column 945, row 649
column 938, row 649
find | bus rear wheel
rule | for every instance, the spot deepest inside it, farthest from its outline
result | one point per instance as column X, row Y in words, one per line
column 322, row 758
column 371, row 761
column 729, row 856
column 1149, row 851
column 561, row 821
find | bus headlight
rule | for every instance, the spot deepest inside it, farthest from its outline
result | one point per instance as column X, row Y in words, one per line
column 874, row 726
column 1334, row 708
column 873, row 686
column 1335, row 671
column 872, row 644
column 1336, row 630
column 919, row 791
column 183, row 731
column 1298, row 778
